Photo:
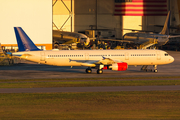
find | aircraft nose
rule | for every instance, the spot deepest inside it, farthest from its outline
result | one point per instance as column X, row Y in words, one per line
column 171, row 59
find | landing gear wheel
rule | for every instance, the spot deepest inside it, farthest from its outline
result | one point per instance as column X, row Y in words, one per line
column 88, row 70
column 99, row 71
column 144, row 68
column 156, row 71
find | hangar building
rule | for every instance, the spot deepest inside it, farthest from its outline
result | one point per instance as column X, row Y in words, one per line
column 111, row 17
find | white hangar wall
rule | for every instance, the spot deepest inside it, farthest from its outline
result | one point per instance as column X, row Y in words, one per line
column 34, row 16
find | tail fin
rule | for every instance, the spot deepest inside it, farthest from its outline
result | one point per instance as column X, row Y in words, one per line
column 165, row 30
column 24, row 42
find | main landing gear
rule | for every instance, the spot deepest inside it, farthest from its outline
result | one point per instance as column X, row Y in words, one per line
column 155, row 69
column 144, row 68
column 99, row 71
column 99, row 68
column 89, row 70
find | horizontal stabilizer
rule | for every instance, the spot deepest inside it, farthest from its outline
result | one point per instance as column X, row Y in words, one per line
column 174, row 36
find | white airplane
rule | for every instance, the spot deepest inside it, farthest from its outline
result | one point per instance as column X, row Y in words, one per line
column 142, row 37
column 66, row 37
column 117, row 60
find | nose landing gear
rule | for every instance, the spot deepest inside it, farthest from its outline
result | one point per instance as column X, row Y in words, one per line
column 144, row 68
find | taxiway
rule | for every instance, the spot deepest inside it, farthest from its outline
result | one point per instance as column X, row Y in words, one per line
column 38, row 71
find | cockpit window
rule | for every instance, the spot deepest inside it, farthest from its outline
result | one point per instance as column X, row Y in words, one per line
column 166, row 54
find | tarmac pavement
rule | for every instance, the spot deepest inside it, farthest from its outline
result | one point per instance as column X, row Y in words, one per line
column 29, row 70
column 40, row 71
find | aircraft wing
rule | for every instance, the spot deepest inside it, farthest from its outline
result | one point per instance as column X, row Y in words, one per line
column 92, row 38
column 129, row 41
column 87, row 63
column 174, row 36
column 93, row 63
column 171, row 27
column 108, row 61
column 134, row 30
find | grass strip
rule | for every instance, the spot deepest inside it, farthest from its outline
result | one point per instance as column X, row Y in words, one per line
column 90, row 78
column 93, row 105
column 88, row 83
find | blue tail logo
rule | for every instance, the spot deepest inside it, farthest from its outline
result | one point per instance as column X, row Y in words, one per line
column 24, row 42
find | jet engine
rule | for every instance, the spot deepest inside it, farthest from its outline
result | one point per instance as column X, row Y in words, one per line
column 119, row 66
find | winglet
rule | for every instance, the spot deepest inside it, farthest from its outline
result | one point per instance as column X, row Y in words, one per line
column 103, row 57
column 24, row 42
column 165, row 30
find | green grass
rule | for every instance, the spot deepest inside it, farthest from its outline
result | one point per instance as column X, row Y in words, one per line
column 41, row 84
column 91, row 78
column 88, row 106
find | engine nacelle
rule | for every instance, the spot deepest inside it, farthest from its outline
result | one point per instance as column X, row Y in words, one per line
column 119, row 66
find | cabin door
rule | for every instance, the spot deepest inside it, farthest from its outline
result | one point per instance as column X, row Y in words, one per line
column 86, row 56
column 126, row 56
column 42, row 56
column 158, row 56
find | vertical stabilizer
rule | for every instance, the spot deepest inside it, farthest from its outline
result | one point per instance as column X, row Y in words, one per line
column 24, row 42
column 165, row 30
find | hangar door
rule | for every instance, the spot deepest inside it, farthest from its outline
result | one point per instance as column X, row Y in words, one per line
column 63, row 15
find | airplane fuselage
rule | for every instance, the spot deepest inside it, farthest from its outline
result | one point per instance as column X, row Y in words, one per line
column 140, row 38
column 78, row 57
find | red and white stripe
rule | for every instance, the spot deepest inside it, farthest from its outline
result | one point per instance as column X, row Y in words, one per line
column 141, row 8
